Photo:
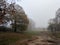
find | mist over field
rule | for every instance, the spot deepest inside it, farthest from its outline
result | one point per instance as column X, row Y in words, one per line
column 40, row 11
column 29, row 22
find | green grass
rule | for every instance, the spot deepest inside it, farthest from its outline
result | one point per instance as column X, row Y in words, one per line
column 33, row 32
column 9, row 38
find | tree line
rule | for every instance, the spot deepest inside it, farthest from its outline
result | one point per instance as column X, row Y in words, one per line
column 54, row 24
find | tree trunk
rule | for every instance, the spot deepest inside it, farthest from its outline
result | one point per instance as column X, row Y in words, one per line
column 15, row 27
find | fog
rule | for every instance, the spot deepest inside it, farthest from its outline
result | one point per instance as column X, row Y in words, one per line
column 40, row 10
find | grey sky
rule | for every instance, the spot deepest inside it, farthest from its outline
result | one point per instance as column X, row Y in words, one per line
column 40, row 10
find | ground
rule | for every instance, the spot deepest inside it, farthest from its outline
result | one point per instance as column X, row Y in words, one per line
column 42, row 39
column 31, row 38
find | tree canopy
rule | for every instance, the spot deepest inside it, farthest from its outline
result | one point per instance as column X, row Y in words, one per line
column 14, row 15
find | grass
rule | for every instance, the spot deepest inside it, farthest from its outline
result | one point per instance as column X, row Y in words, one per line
column 58, row 34
column 8, row 38
column 34, row 32
column 55, row 34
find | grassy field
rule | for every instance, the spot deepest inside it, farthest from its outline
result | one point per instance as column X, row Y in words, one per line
column 7, row 38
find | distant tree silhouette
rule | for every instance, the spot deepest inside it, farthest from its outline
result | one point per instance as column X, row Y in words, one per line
column 54, row 25
column 31, row 25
